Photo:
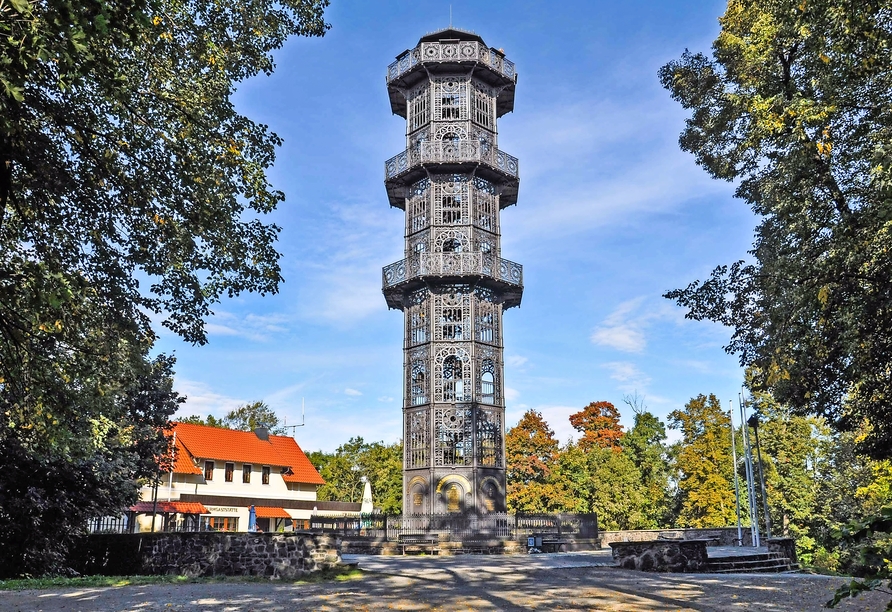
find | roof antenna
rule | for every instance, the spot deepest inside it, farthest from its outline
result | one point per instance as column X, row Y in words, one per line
column 303, row 418
column 450, row 16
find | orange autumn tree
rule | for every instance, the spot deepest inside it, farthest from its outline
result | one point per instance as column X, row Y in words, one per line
column 599, row 425
column 532, row 452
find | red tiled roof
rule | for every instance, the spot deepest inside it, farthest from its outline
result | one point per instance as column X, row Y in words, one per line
column 183, row 463
column 268, row 512
column 302, row 470
column 171, row 506
column 205, row 442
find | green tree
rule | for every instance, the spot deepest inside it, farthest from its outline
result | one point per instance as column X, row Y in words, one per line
column 344, row 470
column 603, row 481
column 795, row 106
column 704, row 464
column 210, row 420
column 645, row 445
column 531, row 451
column 129, row 185
column 249, row 417
column 599, row 425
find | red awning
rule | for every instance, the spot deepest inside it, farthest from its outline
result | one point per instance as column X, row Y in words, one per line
column 170, row 507
column 267, row 512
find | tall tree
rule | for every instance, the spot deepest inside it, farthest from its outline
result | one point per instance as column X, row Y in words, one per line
column 795, row 106
column 531, row 450
column 599, row 425
column 645, row 446
column 704, row 465
column 129, row 185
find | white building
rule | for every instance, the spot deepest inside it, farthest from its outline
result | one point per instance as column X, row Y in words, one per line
column 218, row 474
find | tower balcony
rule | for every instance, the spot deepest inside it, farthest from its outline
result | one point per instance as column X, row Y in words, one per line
column 444, row 52
column 450, row 156
column 501, row 275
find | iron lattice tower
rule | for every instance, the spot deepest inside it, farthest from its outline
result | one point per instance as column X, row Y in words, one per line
column 452, row 181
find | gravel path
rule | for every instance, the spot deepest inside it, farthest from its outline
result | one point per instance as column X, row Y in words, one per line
column 575, row 581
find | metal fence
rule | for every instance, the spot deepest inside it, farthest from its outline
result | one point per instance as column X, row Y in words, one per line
column 393, row 528
column 459, row 527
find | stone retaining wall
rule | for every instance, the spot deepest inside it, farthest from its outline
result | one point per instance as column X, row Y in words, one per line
column 725, row 536
column 276, row 555
column 661, row 556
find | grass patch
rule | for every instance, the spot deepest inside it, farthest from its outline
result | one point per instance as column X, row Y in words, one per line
column 21, row 584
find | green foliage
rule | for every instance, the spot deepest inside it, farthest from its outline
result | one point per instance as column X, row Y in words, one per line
column 790, row 444
column 210, row 420
column 603, row 481
column 343, row 471
column 795, row 106
column 599, row 425
column 645, row 446
column 128, row 186
column 123, row 154
column 531, row 451
column 251, row 416
column 874, row 535
column 703, row 461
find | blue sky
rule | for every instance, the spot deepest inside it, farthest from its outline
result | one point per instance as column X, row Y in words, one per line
column 611, row 214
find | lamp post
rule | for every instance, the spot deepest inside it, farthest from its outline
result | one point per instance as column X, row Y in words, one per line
column 754, row 423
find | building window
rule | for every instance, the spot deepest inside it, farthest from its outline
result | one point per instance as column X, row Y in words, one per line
column 453, row 387
column 264, row 478
column 221, row 523
column 246, row 473
column 208, row 470
column 230, row 468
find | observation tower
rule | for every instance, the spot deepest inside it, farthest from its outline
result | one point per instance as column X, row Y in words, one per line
column 453, row 285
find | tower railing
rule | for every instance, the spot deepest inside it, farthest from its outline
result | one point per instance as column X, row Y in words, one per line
column 461, row 51
column 444, row 152
column 452, row 264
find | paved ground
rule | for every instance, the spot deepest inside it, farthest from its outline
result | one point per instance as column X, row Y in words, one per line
column 574, row 581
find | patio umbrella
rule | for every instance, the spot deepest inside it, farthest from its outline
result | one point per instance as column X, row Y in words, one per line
column 252, row 519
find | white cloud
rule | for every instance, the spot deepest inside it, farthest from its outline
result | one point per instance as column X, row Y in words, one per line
column 511, row 395
column 621, row 330
column 201, row 400
column 624, row 337
column 624, row 328
column 516, row 361
column 385, row 399
column 258, row 328
column 352, row 392
column 631, row 378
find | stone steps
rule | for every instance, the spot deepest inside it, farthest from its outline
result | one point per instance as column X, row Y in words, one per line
column 757, row 563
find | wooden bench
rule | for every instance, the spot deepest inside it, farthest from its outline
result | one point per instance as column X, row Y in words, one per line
column 420, row 543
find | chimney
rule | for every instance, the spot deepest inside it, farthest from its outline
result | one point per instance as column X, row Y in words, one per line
column 262, row 432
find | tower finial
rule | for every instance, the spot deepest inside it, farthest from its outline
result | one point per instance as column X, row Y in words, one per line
column 450, row 16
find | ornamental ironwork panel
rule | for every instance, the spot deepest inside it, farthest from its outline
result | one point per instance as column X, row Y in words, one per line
column 464, row 51
column 451, row 152
column 417, row 439
column 488, row 437
column 454, row 433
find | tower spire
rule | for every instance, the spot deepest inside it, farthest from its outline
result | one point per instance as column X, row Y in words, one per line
column 452, row 181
